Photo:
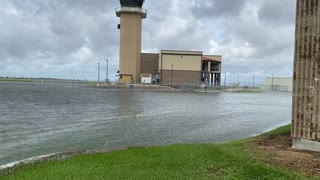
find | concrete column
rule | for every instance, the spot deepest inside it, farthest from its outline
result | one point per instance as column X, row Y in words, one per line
column 209, row 72
column 306, row 78
column 130, row 43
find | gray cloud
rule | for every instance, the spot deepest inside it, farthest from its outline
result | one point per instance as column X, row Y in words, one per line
column 67, row 38
column 217, row 8
column 255, row 37
column 278, row 13
column 50, row 33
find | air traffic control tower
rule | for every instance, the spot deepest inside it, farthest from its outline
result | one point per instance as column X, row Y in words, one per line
column 131, row 15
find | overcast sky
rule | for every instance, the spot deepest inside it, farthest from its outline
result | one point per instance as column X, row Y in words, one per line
column 67, row 38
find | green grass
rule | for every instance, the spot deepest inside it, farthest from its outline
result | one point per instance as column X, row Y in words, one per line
column 280, row 130
column 234, row 160
column 247, row 91
column 45, row 80
column 14, row 80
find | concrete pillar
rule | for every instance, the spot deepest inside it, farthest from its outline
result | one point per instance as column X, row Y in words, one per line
column 306, row 78
column 209, row 72
column 212, row 79
column 215, row 79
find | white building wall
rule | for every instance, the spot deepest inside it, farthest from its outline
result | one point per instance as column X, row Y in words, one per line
column 283, row 82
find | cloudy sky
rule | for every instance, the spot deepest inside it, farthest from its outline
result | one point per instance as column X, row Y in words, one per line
column 67, row 38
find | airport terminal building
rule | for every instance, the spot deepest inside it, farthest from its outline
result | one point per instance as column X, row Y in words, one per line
column 180, row 67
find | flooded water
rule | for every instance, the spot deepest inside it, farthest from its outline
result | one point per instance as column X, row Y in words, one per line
column 37, row 120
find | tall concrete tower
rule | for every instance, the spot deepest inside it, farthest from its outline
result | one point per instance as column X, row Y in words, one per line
column 131, row 15
column 306, row 78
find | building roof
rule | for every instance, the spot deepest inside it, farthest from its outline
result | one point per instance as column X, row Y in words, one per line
column 211, row 58
column 206, row 59
column 179, row 52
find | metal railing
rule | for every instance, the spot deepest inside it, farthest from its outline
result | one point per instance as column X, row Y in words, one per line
column 141, row 11
column 274, row 88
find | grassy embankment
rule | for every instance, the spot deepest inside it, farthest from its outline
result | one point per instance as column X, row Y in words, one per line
column 47, row 80
column 14, row 80
column 235, row 160
column 248, row 91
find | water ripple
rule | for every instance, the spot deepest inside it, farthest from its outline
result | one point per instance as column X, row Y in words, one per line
column 36, row 120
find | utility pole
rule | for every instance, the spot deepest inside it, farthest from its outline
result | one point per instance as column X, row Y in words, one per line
column 253, row 82
column 107, row 78
column 238, row 80
column 171, row 73
column 272, row 83
column 225, row 78
column 98, row 73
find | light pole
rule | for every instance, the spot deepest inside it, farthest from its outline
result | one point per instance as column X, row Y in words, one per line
column 253, row 82
column 272, row 83
column 98, row 73
column 107, row 78
column 225, row 78
column 171, row 73
column 238, row 79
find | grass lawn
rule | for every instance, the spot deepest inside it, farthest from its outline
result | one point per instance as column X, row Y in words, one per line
column 248, row 91
column 235, row 160
column 14, row 80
